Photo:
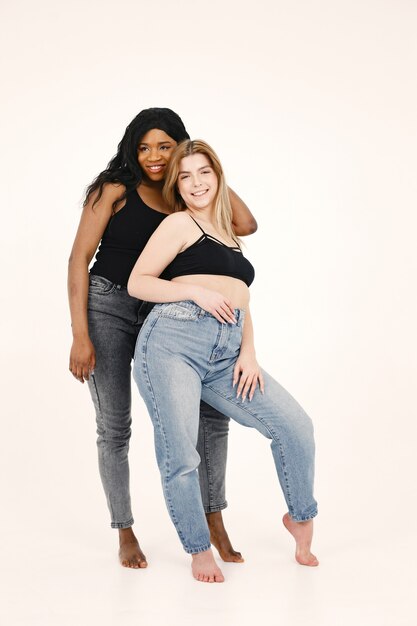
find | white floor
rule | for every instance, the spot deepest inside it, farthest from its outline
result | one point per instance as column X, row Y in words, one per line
column 64, row 573
column 59, row 563
column 77, row 581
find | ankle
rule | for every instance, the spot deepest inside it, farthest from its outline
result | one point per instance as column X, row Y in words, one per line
column 215, row 520
column 202, row 554
column 126, row 534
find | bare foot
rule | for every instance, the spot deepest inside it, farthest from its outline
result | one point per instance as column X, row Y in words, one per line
column 220, row 539
column 130, row 554
column 303, row 535
column 205, row 569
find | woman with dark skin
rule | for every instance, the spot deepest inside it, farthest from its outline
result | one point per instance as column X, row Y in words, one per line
column 122, row 208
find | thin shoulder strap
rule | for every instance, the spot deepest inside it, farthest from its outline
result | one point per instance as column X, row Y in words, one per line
column 198, row 225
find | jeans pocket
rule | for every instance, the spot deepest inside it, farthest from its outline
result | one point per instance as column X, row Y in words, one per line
column 101, row 286
column 180, row 311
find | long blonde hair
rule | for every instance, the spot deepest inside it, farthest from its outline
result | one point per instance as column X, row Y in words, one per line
column 222, row 208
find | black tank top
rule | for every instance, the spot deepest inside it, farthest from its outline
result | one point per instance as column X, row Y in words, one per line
column 125, row 237
column 208, row 255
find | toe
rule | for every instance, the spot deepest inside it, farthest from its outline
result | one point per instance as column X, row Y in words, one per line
column 310, row 560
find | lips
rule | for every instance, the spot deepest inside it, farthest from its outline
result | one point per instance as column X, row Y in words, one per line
column 155, row 169
column 197, row 194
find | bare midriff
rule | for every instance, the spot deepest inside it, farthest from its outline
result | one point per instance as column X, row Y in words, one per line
column 232, row 289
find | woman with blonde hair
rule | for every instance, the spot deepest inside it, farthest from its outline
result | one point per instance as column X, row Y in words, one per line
column 197, row 343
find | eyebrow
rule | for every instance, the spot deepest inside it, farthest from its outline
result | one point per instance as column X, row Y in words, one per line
column 200, row 168
column 161, row 143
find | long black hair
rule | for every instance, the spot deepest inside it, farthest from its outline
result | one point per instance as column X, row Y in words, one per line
column 124, row 167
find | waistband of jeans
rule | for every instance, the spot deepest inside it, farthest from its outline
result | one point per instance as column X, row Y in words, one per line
column 106, row 281
column 192, row 306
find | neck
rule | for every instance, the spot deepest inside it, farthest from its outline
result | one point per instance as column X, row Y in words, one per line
column 205, row 215
column 153, row 184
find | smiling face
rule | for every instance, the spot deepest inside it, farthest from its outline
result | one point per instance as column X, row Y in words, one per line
column 197, row 182
column 154, row 152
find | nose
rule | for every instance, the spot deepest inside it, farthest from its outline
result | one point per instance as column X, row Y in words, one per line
column 196, row 181
column 153, row 155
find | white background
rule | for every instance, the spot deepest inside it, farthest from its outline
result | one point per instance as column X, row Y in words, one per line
column 312, row 109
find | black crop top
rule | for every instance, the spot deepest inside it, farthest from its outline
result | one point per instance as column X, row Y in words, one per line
column 125, row 237
column 208, row 255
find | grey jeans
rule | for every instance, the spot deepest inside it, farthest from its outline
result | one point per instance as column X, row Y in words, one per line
column 114, row 321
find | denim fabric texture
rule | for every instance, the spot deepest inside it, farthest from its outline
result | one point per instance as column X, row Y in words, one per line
column 184, row 354
column 114, row 321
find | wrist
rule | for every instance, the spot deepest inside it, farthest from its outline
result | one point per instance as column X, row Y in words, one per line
column 80, row 335
column 248, row 350
column 195, row 292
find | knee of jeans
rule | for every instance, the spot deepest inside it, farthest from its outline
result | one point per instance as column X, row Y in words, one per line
column 115, row 435
column 181, row 467
column 306, row 423
column 303, row 427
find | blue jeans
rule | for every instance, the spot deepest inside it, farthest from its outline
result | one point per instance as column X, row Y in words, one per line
column 183, row 354
column 114, row 321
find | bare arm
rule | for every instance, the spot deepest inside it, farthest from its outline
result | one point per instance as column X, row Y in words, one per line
column 242, row 219
column 90, row 230
column 164, row 245
column 247, row 371
column 248, row 343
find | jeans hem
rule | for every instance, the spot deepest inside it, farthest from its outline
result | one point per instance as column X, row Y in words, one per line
column 303, row 518
column 119, row 525
column 198, row 550
column 215, row 508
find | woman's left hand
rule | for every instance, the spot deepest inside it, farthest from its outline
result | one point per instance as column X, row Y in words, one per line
column 248, row 373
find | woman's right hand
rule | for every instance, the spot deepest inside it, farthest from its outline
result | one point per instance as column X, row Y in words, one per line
column 82, row 358
column 215, row 303
column 93, row 223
